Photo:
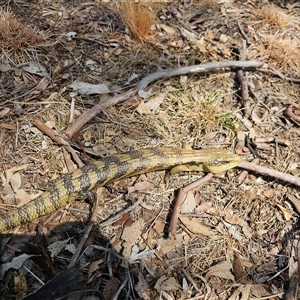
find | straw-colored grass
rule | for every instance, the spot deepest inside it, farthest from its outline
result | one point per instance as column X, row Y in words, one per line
column 14, row 34
column 284, row 52
column 182, row 115
column 274, row 15
column 138, row 19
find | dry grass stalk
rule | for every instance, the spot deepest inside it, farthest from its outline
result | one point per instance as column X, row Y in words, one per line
column 138, row 19
column 187, row 114
column 15, row 35
column 273, row 15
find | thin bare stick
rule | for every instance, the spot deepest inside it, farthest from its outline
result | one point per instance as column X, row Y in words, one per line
column 118, row 216
column 87, row 231
column 244, row 35
column 91, row 113
column 179, row 199
column 270, row 172
column 243, row 80
column 59, row 140
column 276, row 72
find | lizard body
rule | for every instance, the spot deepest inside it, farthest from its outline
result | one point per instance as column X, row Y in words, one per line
column 115, row 167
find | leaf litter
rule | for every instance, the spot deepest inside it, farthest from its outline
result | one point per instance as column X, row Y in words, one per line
column 240, row 219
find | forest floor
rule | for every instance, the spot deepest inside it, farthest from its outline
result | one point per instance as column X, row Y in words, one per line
column 236, row 236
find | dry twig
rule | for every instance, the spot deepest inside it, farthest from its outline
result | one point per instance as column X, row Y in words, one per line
column 179, row 199
column 89, row 114
column 87, row 231
column 270, row 172
column 197, row 69
column 59, row 140
column 244, row 82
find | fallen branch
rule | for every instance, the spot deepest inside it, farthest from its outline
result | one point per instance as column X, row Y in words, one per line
column 89, row 114
column 179, row 200
column 270, row 172
column 58, row 139
column 197, row 69
column 243, row 80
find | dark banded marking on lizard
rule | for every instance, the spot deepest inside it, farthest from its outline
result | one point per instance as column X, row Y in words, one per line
column 74, row 185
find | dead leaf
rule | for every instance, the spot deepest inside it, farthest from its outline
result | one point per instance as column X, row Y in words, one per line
column 4, row 67
column 234, row 231
column 22, row 197
column 286, row 213
column 268, row 193
column 15, row 181
column 196, row 227
column 234, row 219
column 189, row 203
column 4, row 112
column 140, row 186
column 249, row 29
column 238, row 270
column 255, row 118
column 148, row 206
column 111, row 288
column 132, row 77
column 143, row 109
column 16, row 263
column 203, row 207
column 122, row 220
column 20, row 285
column 56, row 247
column 85, row 88
column 194, row 39
column 159, row 227
column 222, row 270
column 142, row 288
column 167, row 245
column 34, row 68
column 136, row 255
column 94, row 266
column 165, row 283
column 128, row 222
column 168, row 29
column 131, row 235
column 295, row 201
column 156, row 101
column 209, row 34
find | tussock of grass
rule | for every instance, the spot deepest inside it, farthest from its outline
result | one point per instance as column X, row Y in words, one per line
column 285, row 52
column 274, row 15
column 138, row 19
column 15, row 35
column 187, row 115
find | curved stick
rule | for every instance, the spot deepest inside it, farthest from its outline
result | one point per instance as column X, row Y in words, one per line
column 89, row 114
column 196, row 69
